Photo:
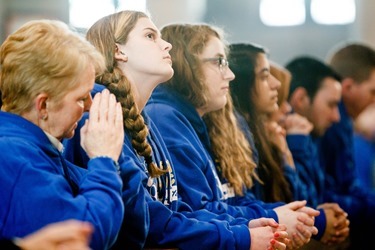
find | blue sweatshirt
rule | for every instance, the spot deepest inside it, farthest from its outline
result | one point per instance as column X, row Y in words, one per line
column 38, row 187
column 310, row 176
column 364, row 155
column 154, row 214
column 199, row 184
column 305, row 180
column 337, row 157
column 306, row 160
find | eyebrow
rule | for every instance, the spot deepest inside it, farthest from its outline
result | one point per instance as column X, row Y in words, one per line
column 263, row 70
column 153, row 30
column 219, row 55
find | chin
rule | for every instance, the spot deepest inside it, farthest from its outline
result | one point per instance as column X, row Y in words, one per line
column 166, row 76
column 69, row 135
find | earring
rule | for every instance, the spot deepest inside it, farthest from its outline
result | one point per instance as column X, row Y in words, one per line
column 44, row 117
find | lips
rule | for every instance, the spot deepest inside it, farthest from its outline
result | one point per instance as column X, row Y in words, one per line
column 168, row 58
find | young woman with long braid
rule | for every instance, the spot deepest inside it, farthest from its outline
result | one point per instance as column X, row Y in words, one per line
column 138, row 60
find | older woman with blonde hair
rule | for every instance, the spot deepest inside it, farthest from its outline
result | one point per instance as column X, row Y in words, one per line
column 47, row 73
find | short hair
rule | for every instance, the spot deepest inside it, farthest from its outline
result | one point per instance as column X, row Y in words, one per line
column 188, row 42
column 309, row 73
column 356, row 61
column 43, row 56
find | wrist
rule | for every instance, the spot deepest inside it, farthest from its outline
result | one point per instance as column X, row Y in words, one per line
column 117, row 165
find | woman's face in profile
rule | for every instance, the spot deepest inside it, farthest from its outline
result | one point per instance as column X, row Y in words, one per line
column 63, row 117
column 217, row 77
column 266, row 86
column 147, row 53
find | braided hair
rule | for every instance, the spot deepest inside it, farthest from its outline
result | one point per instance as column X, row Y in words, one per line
column 104, row 35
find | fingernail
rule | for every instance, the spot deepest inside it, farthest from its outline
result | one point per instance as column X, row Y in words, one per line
column 273, row 242
column 276, row 235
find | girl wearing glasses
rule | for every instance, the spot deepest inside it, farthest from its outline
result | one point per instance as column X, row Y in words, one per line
column 199, row 86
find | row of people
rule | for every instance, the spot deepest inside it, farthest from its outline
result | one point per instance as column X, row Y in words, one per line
column 163, row 154
column 43, row 101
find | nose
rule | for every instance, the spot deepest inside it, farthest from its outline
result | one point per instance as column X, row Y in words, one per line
column 166, row 45
column 228, row 74
column 335, row 115
column 274, row 82
column 87, row 103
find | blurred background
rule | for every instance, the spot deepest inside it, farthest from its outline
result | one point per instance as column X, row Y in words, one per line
column 288, row 28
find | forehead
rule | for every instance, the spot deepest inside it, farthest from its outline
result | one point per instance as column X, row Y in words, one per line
column 262, row 63
column 214, row 47
column 330, row 90
column 144, row 23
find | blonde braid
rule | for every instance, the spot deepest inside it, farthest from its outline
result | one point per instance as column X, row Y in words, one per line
column 134, row 123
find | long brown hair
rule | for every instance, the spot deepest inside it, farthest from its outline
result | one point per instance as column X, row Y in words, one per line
column 189, row 41
column 243, row 59
column 104, row 35
column 231, row 148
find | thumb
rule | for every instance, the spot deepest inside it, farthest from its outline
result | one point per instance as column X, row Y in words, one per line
column 296, row 205
column 83, row 131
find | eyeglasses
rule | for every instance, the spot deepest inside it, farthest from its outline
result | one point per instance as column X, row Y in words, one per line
column 220, row 61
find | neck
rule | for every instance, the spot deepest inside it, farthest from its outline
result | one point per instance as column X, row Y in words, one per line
column 350, row 108
column 141, row 89
column 201, row 111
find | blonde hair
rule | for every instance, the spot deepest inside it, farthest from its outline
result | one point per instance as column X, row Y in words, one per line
column 231, row 148
column 189, row 41
column 104, row 35
column 43, row 56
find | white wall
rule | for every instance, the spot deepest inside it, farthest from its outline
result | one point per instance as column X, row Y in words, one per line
column 239, row 18
column 16, row 12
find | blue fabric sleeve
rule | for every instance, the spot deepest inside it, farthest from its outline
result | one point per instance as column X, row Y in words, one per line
column 293, row 180
column 44, row 196
column 320, row 224
column 182, row 227
column 364, row 156
column 172, row 229
column 336, row 150
column 301, row 148
column 197, row 182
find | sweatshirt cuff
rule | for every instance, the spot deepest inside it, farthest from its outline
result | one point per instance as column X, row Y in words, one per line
column 320, row 224
column 242, row 236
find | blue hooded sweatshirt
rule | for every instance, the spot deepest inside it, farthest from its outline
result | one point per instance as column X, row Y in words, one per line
column 155, row 216
column 306, row 180
column 336, row 152
column 37, row 187
column 199, row 183
column 310, row 176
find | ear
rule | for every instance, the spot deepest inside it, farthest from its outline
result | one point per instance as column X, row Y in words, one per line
column 41, row 106
column 299, row 100
column 347, row 85
column 119, row 54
